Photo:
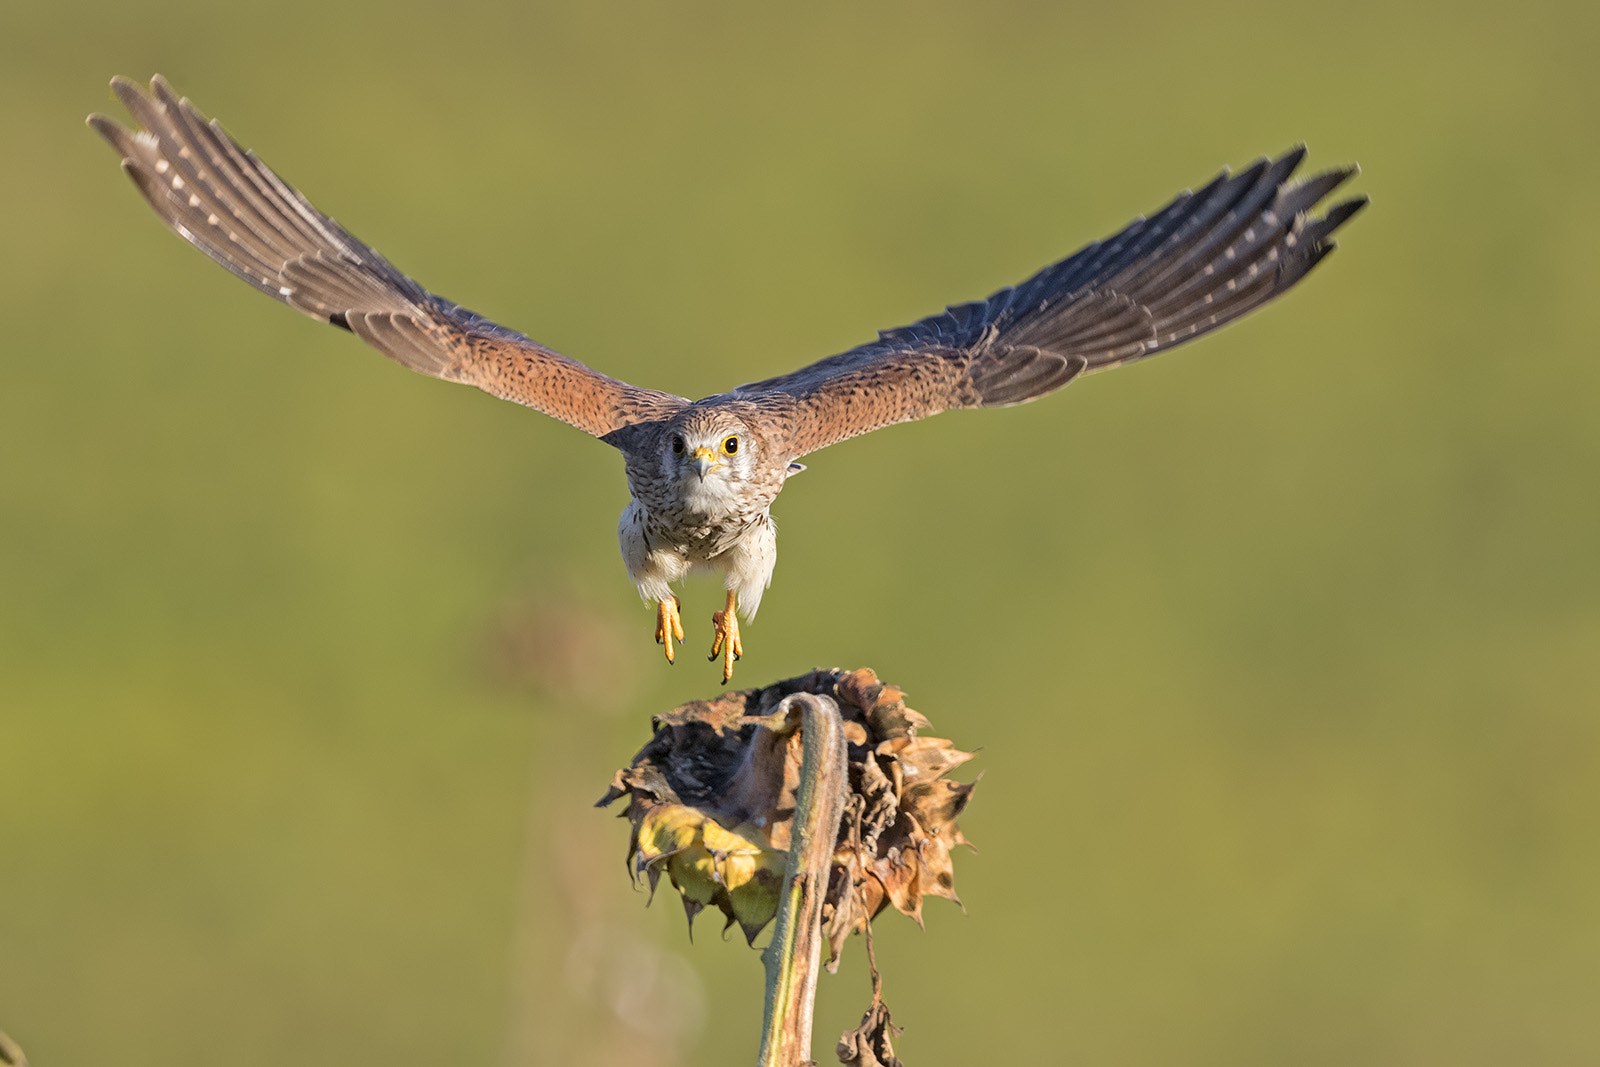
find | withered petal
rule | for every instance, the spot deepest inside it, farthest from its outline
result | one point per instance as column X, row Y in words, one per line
column 938, row 873
column 900, row 872
column 924, row 758
column 937, row 804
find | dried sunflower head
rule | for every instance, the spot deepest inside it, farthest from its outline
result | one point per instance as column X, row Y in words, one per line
column 711, row 799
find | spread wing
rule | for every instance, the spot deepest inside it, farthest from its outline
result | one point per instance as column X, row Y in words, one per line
column 223, row 200
column 1200, row 262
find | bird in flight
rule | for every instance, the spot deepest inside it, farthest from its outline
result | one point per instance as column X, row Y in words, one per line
column 703, row 474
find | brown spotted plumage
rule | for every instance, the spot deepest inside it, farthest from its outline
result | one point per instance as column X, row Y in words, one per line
column 227, row 203
column 703, row 475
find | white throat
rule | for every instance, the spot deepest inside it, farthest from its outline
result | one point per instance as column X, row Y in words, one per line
column 715, row 494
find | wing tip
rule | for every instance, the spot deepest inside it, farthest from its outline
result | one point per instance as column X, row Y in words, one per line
column 106, row 127
column 1342, row 212
column 130, row 92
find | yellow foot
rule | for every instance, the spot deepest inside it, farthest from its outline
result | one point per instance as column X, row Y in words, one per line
column 669, row 624
column 727, row 639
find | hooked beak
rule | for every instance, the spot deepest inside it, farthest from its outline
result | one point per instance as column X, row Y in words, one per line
column 704, row 461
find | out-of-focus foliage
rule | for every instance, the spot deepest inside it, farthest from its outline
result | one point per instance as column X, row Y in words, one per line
column 1281, row 649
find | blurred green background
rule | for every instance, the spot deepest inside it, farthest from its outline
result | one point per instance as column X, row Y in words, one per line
column 1281, row 651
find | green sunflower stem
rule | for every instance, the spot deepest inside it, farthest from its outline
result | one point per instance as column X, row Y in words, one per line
column 794, row 957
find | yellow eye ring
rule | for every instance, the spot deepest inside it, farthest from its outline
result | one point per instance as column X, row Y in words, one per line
column 730, row 445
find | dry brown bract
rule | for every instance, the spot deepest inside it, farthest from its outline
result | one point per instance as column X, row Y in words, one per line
column 871, row 1043
column 711, row 799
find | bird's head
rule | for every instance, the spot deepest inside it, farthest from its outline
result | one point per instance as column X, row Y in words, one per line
column 708, row 454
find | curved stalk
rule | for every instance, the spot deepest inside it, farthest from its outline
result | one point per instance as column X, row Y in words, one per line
column 794, row 956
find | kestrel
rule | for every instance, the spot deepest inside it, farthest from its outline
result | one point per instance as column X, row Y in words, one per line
column 703, row 474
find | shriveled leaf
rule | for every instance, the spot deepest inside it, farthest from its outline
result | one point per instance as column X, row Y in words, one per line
column 843, row 912
column 870, row 1044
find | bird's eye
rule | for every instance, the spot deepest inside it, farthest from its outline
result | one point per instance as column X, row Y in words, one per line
column 677, row 445
column 730, row 446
